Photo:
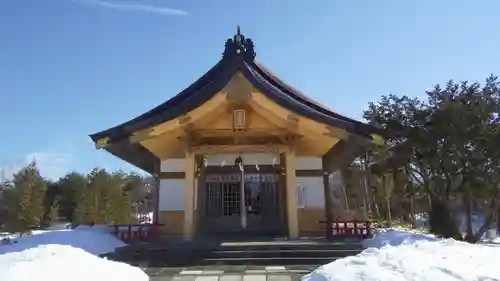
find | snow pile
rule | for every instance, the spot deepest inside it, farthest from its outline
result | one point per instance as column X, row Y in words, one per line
column 102, row 228
column 63, row 263
column 95, row 240
column 395, row 237
column 59, row 226
column 11, row 236
column 402, row 255
column 422, row 260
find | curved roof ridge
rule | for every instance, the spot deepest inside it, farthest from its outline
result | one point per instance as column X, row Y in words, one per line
column 320, row 107
column 291, row 88
column 301, row 97
column 292, row 103
column 173, row 101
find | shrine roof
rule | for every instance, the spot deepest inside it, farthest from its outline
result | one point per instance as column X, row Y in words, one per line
column 238, row 56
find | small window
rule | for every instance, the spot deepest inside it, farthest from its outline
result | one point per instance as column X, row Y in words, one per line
column 239, row 119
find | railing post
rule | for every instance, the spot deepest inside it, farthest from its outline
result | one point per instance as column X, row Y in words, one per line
column 328, row 229
column 116, row 231
column 370, row 229
column 129, row 233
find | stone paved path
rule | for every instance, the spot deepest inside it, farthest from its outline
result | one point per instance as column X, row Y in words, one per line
column 230, row 273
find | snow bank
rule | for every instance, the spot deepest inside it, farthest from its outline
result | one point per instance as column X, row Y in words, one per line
column 442, row 260
column 395, row 237
column 95, row 240
column 63, row 263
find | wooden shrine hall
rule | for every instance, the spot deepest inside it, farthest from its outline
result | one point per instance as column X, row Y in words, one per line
column 239, row 152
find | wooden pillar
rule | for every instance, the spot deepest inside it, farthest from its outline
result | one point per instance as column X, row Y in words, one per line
column 201, row 198
column 291, row 193
column 189, row 185
column 327, row 190
column 156, row 214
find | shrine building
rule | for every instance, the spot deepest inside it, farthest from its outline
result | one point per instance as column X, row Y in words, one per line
column 239, row 152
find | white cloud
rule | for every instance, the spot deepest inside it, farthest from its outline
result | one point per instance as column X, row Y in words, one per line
column 133, row 7
column 52, row 165
column 7, row 171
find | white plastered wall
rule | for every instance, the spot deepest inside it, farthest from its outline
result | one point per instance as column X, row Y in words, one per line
column 173, row 165
column 171, row 196
column 310, row 190
column 172, row 191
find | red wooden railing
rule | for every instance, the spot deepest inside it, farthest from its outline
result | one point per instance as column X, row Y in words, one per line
column 333, row 229
column 353, row 228
column 136, row 232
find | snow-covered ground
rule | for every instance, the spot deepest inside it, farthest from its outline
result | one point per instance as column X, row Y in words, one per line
column 396, row 237
column 95, row 240
column 399, row 255
column 68, row 254
column 64, row 263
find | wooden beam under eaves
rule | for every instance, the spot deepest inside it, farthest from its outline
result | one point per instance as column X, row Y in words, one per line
column 213, row 149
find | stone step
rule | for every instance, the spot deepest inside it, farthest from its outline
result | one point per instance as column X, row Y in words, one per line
column 269, row 261
column 298, row 247
column 247, row 247
column 262, row 257
column 288, row 253
column 238, row 253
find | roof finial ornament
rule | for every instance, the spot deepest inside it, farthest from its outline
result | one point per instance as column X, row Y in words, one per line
column 239, row 46
column 238, row 34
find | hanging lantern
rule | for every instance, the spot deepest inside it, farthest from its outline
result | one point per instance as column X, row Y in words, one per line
column 238, row 162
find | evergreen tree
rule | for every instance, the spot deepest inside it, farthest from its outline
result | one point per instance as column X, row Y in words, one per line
column 124, row 210
column 103, row 199
column 448, row 148
column 52, row 215
column 96, row 181
column 111, row 193
column 71, row 186
column 80, row 211
column 26, row 203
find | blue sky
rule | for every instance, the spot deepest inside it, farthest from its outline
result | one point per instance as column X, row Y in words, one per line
column 69, row 68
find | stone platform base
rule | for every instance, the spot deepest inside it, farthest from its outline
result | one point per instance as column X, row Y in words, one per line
column 230, row 273
column 276, row 252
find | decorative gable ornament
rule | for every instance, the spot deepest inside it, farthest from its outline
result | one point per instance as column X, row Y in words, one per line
column 239, row 46
column 239, row 119
column 239, row 89
column 102, row 143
